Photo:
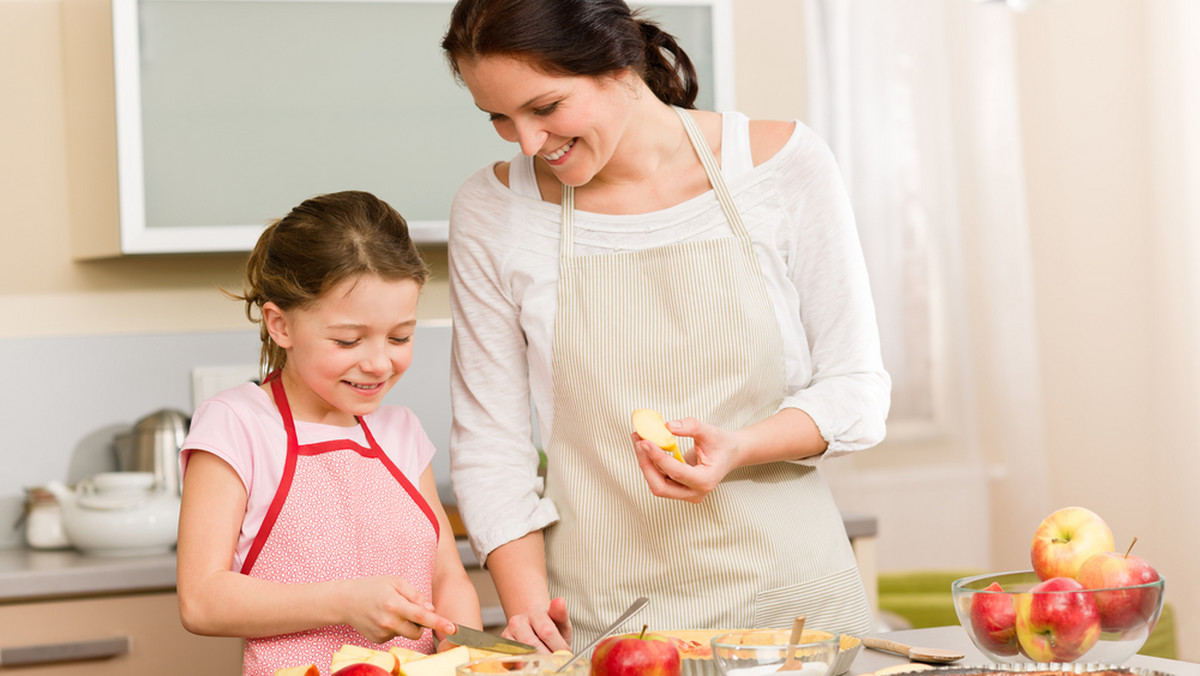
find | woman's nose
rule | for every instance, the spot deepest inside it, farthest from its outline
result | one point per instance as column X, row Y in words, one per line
column 531, row 138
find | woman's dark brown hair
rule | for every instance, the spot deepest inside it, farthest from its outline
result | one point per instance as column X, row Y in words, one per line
column 573, row 37
column 320, row 243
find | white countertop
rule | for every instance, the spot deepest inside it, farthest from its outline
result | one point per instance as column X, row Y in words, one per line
column 27, row 575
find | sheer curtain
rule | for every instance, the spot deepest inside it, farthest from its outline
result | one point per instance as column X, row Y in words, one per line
column 918, row 100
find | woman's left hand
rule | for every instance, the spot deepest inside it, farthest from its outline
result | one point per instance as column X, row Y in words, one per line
column 715, row 453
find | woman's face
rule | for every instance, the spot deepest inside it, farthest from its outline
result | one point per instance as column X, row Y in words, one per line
column 573, row 123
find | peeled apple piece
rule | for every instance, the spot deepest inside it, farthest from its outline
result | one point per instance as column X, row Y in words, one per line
column 649, row 425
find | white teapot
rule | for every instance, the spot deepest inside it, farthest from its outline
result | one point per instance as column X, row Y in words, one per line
column 119, row 514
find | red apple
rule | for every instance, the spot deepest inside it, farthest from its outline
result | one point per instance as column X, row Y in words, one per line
column 1066, row 539
column 1121, row 610
column 994, row 621
column 638, row 654
column 362, row 669
column 1060, row 626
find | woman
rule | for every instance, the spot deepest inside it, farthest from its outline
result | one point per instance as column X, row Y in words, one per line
column 616, row 264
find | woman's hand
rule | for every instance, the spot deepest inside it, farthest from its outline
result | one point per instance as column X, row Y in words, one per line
column 384, row 607
column 715, row 453
column 789, row 434
column 547, row 629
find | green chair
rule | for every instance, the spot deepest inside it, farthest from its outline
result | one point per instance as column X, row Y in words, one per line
column 922, row 599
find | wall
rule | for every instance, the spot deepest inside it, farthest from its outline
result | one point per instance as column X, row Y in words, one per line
column 1106, row 86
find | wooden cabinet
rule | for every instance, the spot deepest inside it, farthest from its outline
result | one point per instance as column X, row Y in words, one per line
column 138, row 633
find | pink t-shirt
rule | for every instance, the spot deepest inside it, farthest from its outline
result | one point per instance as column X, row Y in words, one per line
column 242, row 427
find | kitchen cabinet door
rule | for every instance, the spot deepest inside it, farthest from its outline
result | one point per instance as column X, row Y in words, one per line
column 143, row 630
column 224, row 119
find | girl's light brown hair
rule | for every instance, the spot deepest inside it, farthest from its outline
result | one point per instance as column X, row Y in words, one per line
column 320, row 243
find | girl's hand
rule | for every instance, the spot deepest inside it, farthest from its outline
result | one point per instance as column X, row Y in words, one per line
column 384, row 607
column 715, row 453
column 547, row 629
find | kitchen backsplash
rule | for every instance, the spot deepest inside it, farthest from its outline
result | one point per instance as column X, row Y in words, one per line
column 64, row 398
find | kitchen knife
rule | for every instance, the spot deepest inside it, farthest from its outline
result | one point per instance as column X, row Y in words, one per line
column 473, row 638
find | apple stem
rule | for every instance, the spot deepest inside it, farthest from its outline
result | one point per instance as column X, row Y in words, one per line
column 644, row 628
column 1131, row 544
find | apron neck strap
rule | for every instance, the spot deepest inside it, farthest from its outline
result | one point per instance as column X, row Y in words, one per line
column 711, row 168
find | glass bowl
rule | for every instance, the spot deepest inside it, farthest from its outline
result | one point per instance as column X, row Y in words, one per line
column 533, row 664
column 762, row 651
column 1016, row 625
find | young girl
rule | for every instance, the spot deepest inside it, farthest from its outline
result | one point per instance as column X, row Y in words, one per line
column 310, row 516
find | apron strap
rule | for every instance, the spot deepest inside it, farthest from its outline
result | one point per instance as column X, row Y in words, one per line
column 715, row 177
column 711, row 168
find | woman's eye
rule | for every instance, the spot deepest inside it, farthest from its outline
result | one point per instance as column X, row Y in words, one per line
column 496, row 117
column 545, row 110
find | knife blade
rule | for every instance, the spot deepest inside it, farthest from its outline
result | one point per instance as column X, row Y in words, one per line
column 474, row 638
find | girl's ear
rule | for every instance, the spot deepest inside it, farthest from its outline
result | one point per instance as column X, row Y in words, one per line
column 277, row 324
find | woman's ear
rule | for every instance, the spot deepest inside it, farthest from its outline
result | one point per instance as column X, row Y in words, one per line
column 276, row 322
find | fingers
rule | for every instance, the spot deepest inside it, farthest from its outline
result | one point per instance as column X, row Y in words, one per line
column 666, row 476
column 540, row 629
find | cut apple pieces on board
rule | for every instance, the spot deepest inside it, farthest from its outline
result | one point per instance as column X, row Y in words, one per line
column 440, row 664
column 650, row 426
column 302, row 670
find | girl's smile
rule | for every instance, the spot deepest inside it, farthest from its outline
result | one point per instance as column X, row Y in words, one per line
column 346, row 350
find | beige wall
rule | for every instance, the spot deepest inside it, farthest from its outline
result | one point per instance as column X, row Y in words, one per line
column 1114, row 260
column 52, row 294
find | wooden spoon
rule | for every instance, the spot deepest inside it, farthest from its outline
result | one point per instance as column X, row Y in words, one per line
column 797, row 633
column 929, row 655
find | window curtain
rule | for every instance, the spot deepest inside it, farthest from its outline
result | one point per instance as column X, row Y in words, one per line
column 918, row 101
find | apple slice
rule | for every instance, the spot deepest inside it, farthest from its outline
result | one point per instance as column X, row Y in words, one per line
column 649, row 425
column 302, row 670
column 405, row 655
column 440, row 664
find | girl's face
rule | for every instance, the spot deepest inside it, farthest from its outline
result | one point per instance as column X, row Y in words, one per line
column 573, row 123
column 346, row 350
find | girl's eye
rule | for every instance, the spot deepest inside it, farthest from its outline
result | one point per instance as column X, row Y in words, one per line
column 345, row 343
column 401, row 340
column 545, row 110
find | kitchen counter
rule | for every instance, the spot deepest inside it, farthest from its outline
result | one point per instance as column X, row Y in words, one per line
column 31, row 575
column 954, row 638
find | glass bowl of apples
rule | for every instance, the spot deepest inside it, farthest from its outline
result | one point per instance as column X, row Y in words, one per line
column 1017, row 617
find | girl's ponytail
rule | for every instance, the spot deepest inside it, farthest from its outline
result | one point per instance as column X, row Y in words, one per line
column 668, row 70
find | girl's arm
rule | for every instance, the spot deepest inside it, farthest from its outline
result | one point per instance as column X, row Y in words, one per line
column 454, row 596
column 217, row 601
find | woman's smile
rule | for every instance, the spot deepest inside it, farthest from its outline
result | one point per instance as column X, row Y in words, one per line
column 557, row 155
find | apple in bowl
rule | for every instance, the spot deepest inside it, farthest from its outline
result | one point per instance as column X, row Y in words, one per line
column 1067, row 538
column 1126, row 592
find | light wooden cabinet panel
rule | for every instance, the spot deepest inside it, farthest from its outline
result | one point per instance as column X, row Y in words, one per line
column 143, row 628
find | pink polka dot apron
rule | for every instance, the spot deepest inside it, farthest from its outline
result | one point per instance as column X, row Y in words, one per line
column 341, row 511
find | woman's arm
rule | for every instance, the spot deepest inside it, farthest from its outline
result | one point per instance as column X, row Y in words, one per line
column 454, row 596
column 518, row 569
column 217, row 601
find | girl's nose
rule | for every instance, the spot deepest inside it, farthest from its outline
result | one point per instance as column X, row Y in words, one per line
column 375, row 360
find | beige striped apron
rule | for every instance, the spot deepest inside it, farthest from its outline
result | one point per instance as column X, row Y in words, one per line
column 687, row 329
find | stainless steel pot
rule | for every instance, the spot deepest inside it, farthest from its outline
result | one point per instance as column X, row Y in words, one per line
column 153, row 446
